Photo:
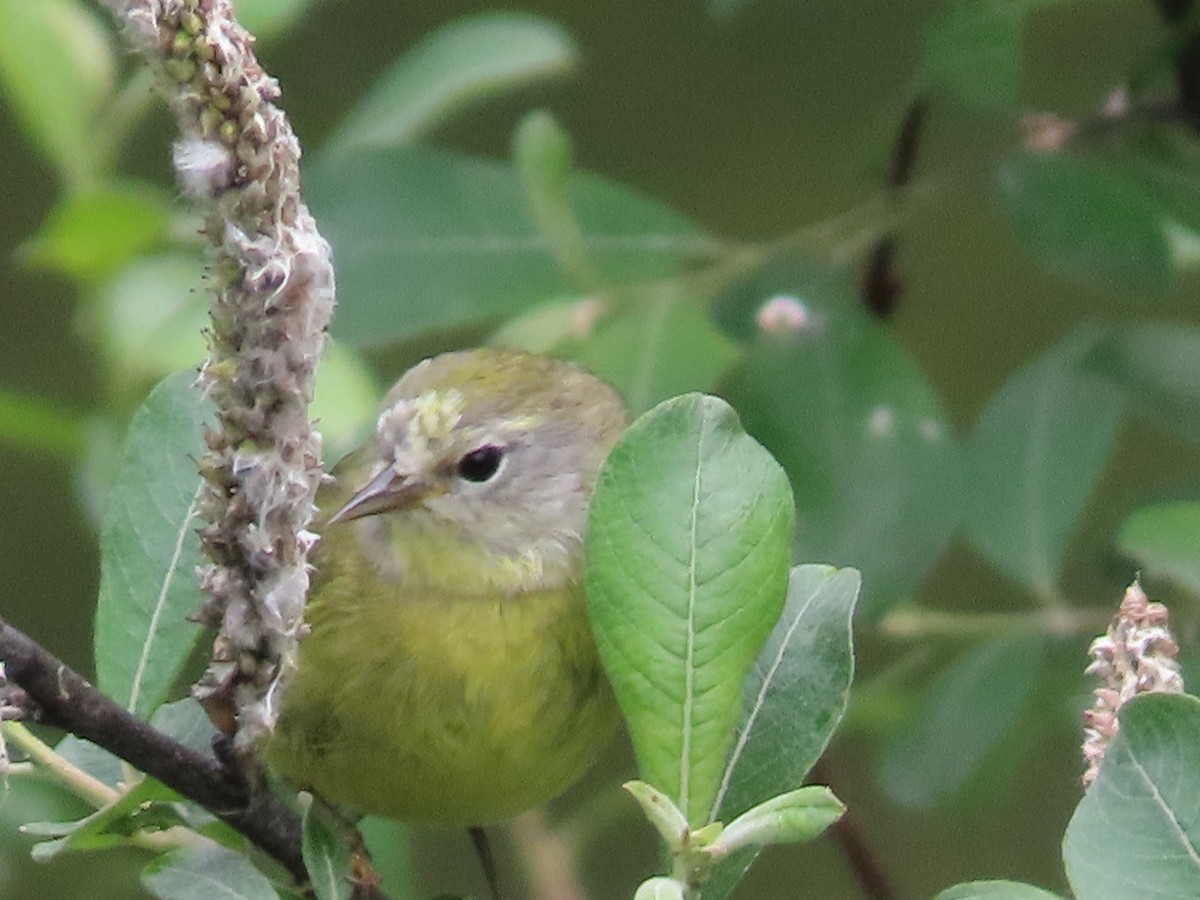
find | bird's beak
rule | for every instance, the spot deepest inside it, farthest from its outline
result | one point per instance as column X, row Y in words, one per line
column 386, row 491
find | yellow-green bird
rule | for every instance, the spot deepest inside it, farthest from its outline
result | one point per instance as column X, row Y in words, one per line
column 450, row 674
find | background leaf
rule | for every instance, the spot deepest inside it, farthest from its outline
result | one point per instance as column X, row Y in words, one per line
column 92, row 233
column 960, row 718
column 151, row 314
column 1086, row 218
column 1136, row 831
column 1034, row 457
column 451, row 243
column 40, row 425
column 461, row 63
column 864, row 440
column 975, row 50
column 664, row 347
column 268, row 18
column 1158, row 368
column 149, row 550
column 56, row 70
column 687, row 557
column 1163, row 538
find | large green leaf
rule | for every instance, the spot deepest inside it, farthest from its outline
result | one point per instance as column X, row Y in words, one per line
column 687, row 561
column 461, row 63
column 864, row 440
column 793, row 700
column 961, row 717
column 1034, row 456
column 450, row 241
column 1137, row 829
column 56, row 71
column 1090, row 219
column 1164, row 539
column 149, row 550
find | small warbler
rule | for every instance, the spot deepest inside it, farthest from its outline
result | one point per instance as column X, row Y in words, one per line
column 450, row 674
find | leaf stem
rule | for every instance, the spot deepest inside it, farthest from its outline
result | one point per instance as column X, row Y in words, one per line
column 86, row 787
column 916, row 622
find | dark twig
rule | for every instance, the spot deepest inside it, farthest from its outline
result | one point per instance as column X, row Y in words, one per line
column 881, row 287
column 869, row 874
column 71, row 703
column 483, row 849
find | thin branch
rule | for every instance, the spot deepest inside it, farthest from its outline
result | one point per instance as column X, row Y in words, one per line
column 847, row 831
column 71, row 703
column 84, row 786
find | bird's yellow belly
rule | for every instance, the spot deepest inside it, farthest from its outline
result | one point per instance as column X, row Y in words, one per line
column 453, row 711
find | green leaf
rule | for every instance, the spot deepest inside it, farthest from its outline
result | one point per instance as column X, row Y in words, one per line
column 1158, row 368
column 995, row 890
column 1163, row 539
column 1034, row 457
column 1088, row 219
column 267, row 18
column 56, row 70
column 326, row 850
column 975, row 50
column 206, row 872
column 665, row 346
column 544, row 159
column 865, row 441
column 451, row 242
column 89, row 235
column 457, row 65
column 152, row 314
column 140, row 808
column 36, row 424
column 1136, row 831
column 790, row 818
column 186, row 722
column 149, row 550
column 960, row 719
column 686, row 574
column 345, row 400
column 796, row 693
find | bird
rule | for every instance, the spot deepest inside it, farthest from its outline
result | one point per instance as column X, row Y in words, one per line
column 449, row 675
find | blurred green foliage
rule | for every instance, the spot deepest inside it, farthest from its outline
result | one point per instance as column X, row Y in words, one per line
column 997, row 456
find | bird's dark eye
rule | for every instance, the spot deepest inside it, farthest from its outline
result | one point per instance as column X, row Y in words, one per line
column 481, row 464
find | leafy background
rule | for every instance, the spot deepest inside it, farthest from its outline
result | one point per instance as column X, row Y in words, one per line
column 1036, row 386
